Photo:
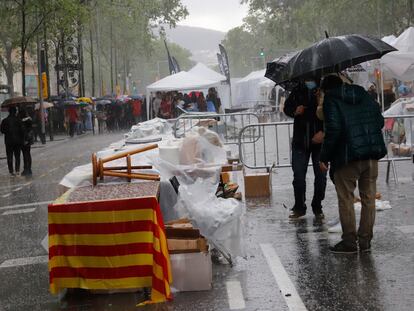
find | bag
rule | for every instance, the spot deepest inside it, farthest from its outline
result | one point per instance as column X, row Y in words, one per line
column 398, row 132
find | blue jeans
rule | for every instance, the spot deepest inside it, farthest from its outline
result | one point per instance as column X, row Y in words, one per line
column 300, row 162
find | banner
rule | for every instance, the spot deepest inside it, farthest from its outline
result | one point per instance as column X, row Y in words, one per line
column 176, row 65
column 220, row 63
column 43, row 75
column 170, row 60
column 225, row 61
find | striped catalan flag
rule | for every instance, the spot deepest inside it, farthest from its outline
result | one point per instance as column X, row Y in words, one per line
column 116, row 244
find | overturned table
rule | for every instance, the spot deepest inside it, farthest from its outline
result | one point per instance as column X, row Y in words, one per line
column 109, row 237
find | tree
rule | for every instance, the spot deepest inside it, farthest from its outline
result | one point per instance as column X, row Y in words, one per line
column 286, row 25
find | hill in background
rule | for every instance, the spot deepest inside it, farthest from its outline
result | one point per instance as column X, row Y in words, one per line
column 202, row 43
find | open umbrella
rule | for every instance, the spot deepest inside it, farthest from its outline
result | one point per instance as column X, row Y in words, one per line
column 330, row 55
column 103, row 102
column 85, row 100
column 46, row 105
column 18, row 101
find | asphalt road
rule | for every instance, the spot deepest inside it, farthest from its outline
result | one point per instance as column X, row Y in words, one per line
column 287, row 265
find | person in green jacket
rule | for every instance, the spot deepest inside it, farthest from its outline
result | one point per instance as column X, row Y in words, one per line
column 353, row 145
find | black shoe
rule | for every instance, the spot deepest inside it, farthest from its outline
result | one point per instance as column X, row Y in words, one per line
column 343, row 248
column 319, row 216
column 364, row 247
column 295, row 214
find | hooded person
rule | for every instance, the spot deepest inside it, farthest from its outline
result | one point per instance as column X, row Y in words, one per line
column 301, row 105
column 28, row 139
column 353, row 144
column 12, row 129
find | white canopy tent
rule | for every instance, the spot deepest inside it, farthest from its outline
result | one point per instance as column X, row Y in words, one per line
column 248, row 89
column 389, row 39
column 223, row 87
column 400, row 64
column 203, row 71
column 182, row 81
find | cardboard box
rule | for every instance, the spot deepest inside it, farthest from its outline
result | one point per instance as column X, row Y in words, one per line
column 191, row 271
column 257, row 185
column 176, row 246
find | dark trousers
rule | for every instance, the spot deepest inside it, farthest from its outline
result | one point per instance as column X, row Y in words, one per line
column 72, row 128
column 300, row 162
column 27, row 159
column 10, row 151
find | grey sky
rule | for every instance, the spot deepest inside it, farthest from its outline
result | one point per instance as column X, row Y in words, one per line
column 214, row 14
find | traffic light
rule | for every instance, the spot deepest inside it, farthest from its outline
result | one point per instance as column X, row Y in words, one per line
column 262, row 52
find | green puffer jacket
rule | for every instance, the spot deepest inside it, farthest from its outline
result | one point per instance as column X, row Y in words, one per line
column 353, row 124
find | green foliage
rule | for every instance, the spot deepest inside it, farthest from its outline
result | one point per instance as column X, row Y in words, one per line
column 283, row 25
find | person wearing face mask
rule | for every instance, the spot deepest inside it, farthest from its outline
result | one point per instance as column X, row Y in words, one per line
column 301, row 105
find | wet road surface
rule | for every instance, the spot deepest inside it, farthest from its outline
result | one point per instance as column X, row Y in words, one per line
column 287, row 265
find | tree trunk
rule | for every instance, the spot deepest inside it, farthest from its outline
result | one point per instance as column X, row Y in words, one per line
column 9, row 70
column 92, row 62
column 23, row 47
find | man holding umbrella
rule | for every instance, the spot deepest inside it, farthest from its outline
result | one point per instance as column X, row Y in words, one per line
column 307, row 139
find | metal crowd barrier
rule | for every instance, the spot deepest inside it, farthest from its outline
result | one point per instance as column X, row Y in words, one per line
column 272, row 148
column 226, row 125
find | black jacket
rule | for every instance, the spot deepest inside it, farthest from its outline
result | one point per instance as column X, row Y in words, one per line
column 12, row 128
column 306, row 125
column 353, row 124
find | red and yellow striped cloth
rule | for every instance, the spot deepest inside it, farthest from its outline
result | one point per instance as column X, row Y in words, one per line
column 115, row 244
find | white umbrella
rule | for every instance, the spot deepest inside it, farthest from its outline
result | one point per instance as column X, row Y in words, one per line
column 45, row 105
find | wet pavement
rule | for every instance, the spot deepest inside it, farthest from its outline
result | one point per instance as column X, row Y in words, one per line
column 287, row 266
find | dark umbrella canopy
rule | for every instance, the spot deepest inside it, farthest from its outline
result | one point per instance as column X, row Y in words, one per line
column 330, row 55
column 17, row 101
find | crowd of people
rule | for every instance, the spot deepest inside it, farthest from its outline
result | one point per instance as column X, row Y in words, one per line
column 18, row 138
column 169, row 105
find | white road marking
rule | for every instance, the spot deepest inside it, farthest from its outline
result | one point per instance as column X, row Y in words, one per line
column 24, row 261
column 17, row 189
column 45, row 243
column 25, row 205
column 235, row 295
column 288, row 290
column 19, row 211
column 6, row 195
column 406, row 229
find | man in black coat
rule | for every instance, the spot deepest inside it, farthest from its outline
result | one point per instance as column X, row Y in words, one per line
column 12, row 129
column 307, row 139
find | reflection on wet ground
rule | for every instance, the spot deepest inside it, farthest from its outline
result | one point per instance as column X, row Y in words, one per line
column 382, row 280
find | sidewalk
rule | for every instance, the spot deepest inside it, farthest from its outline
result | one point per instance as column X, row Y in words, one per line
column 57, row 139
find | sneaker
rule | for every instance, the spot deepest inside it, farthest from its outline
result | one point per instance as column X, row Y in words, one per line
column 12, row 175
column 295, row 214
column 343, row 248
column 364, row 247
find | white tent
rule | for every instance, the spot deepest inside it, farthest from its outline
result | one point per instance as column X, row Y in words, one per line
column 182, row 81
column 248, row 89
column 389, row 39
column 203, row 71
column 400, row 64
column 223, row 87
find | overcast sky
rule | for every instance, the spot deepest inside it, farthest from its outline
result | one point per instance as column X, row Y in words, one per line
column 214, row 14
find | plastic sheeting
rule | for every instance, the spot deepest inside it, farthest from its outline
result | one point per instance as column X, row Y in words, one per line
column 399, row 107
column 219, row 220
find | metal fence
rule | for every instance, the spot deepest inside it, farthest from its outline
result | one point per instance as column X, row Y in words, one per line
column 268, row 145
column 227, row 126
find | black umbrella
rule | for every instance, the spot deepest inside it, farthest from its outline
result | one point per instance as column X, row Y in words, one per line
column 18, row 101
column 330, row 55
